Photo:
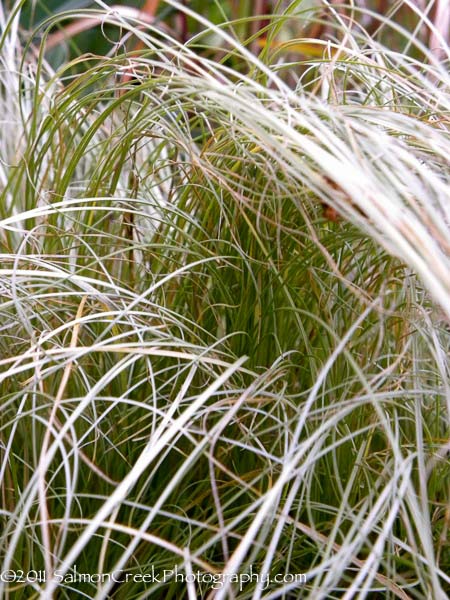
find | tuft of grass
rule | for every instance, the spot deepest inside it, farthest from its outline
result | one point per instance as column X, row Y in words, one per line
column 225, row 307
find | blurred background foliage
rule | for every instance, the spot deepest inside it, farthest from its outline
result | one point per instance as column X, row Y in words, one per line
column 249, row 20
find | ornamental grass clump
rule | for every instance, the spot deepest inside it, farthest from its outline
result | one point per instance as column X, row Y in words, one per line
column 225, row 306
